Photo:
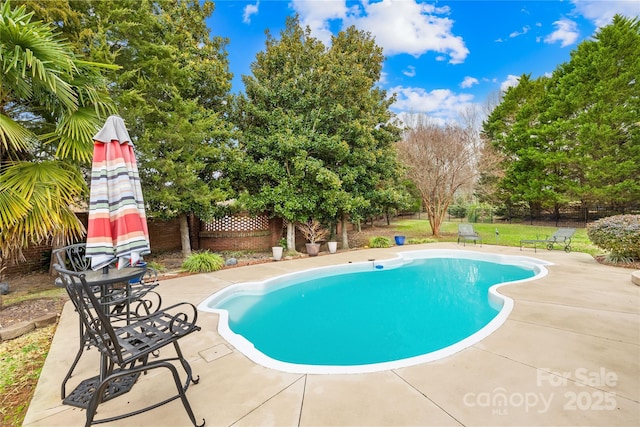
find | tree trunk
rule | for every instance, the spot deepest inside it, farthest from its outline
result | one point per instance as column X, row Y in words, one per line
column 184, row 236
column 291, row 236
column 345, row 236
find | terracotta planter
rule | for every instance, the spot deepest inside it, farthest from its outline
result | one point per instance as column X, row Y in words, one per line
column 332, row 246
column 313, row 249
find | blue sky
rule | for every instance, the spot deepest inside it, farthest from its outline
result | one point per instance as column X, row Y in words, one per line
column 441, row 57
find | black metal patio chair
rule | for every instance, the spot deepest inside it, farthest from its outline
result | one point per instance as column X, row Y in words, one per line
column 72, row 257
column 136, row 299
column 125, row 349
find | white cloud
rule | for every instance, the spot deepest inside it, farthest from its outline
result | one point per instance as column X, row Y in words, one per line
column 566, row 33
column 468, row 82
column 317, row 14
column 511, row 81
column 601, row 12
column 250, row 9
column 441, row 104
column 410, row 71
column 524, row 31
column 410, row 27
column 399, row 26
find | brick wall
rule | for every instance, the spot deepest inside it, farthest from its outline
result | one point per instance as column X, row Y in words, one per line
column 240, row 232
column 36, row 258
column 164, row 236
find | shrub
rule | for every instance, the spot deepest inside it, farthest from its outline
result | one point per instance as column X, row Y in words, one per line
column 457, row 210
column 619, row 234
column 203, row 262
column 418, row 241
column 482, row 212
column 156, row 266
column 379, row 242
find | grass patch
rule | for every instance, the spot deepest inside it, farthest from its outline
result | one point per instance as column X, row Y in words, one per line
column 21, row 359
column 420, row 240
column 11, row 299
column 509, row 234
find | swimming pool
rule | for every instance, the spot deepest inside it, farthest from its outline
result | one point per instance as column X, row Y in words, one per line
column 371, row 316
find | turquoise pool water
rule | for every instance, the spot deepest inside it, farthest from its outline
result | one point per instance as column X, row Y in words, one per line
column 367, row 315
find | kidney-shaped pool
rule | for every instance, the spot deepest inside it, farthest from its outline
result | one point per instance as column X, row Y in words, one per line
column 371, row 316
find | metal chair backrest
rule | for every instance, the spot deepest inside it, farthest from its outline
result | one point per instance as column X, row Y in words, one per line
column 466, row 230
column 98, row 328
column 72, row 256
column 562, row 234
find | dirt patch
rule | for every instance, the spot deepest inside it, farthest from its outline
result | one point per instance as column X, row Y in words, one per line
column 30, row 309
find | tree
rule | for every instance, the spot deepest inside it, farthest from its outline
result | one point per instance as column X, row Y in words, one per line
column 359, row 115
column 439, row 160
column 316, row 132
column 51, row 104
column 282, row 169
column 592, row 108
column 533, row 168
column 575, row 136
column 173, row 92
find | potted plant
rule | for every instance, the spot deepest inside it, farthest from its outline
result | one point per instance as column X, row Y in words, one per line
column 277, row 250
column 314, row 232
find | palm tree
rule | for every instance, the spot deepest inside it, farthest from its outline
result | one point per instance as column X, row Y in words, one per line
column 51, row 104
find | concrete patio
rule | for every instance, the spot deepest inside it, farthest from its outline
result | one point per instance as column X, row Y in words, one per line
column 569, row 354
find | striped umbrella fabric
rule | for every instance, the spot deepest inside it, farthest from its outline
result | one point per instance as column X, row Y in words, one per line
column 117, row 226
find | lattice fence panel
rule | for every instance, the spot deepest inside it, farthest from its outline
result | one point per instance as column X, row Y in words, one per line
column 237, row 223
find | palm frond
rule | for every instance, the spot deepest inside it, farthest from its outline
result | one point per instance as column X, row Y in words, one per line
column 74, row 135
column 13, row 136
column 48, row 190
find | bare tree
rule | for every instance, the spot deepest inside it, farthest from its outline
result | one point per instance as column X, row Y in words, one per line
column 491, row 163
column 439, row 160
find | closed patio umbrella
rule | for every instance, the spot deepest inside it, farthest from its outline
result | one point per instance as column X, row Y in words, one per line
column 117, row 226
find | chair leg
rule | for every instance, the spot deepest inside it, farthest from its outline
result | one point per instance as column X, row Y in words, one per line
column 185, row 365
column 97, row 397
column 84, row 342
column 183, row 396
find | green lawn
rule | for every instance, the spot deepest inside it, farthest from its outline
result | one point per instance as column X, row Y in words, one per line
column 509, row 234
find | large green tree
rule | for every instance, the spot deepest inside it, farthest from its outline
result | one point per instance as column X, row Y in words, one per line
column 575, row 136
column 51, row 104
column 282, row 169
column 316, row 131
column 533, row 170
column 172, row 90
column 359, row 115
column 592, row 108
